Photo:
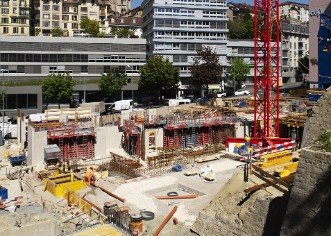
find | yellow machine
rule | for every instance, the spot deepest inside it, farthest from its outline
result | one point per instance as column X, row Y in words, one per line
column 276, row 158
column 288, row 169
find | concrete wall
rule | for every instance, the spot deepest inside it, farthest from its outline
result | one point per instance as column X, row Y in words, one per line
column 309, row 211
column 107, row 138
column 319, row 122
column 28, row 224
column 151, row 150
column 37, row 142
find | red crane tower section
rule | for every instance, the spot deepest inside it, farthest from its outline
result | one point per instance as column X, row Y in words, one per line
column 266, row 68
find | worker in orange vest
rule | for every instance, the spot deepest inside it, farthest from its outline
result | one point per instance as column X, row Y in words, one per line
column 90, row 178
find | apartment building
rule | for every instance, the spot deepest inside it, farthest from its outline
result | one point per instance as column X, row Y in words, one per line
column 25, row 61
column 295, row 45
column 14, row 17
column 35, row 17
column 293, row 10
column 176, row 29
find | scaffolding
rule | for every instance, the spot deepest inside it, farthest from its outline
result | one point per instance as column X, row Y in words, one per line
column 75, row 141
column 197, row 129
column 131, row 138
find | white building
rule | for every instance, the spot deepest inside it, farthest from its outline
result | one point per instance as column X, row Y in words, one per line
column 293, row 10
column 178, row 28
column 295, row 45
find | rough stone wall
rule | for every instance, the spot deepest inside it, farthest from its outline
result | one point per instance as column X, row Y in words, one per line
column 319, row 122
column 309, row 207
column 233, row 213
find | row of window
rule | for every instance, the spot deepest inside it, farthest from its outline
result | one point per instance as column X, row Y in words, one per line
column 15, row 30
column 15, row 11
column 17, row 57
column 191, row 24
column 13, row 20
column 23, row 101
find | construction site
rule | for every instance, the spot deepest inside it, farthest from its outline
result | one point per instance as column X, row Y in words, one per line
column 244, row 165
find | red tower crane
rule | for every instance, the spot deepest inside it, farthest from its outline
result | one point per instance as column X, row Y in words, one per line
column 266, row 68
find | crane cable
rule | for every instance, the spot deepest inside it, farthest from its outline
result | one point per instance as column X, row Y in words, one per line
column 313, row 72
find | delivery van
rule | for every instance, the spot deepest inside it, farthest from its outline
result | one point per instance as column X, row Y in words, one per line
column 122, row 105
column 176, row 102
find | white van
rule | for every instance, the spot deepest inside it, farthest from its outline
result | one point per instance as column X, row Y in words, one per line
column 122, row 105
column 176, row 102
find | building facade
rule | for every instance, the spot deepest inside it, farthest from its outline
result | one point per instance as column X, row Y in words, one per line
column 15, row 17
column 296, row 11
column 176, row 29
column 26, row 61
column 316, row 7
column 295, row 45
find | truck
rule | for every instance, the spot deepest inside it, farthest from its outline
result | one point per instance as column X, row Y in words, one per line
column 121, row 105
column 176, row 102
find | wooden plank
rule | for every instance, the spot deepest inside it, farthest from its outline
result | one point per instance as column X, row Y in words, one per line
column 279, row 181
column 269, row 182
column 256, row 187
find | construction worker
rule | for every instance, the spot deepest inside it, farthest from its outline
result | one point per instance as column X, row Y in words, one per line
column 90, row 178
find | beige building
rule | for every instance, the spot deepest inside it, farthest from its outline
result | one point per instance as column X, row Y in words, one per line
column 67, row 14
column 294, row 10
column 15, row 17
column 316, row 7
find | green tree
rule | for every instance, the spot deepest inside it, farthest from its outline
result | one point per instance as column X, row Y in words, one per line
column 58, row 88
column 112, row 82
column 206, row 68
column 238, row 70
column 57, row 32
column 37, row 31
column 158, row 74
column 114, row 31
column 242, row 27
column 303, row 68
column 125, row 33
column 90, row 26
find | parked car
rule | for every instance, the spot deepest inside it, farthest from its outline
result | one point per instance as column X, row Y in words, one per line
column 221, row 95
column 242, row 92
column 191, row 97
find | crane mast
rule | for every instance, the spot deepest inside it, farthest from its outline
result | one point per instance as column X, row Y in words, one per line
column 266, row 68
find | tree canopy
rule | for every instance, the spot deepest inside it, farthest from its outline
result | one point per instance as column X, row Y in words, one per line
column 122, row 32
column 112, row 81
column 238, row 70
column 206, row 68
column 58, row 88
column 158, row 74
column 90, row 26
column 303, row 68
column 242, row 27
column 57, row 32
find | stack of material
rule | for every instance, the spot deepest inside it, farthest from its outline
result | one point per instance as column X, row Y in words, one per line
column 14, row 150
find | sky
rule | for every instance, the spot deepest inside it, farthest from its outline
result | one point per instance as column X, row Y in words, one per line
column 136, row 3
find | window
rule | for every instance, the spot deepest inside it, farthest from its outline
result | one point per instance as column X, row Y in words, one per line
column 5, row 11
column 5, row 30
column 84, row 69
column 46, row 8
column 45, row 16
column 65, row 25
column 4, row 20
column 20, row 68
column 22, row 30
column 56, row 8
